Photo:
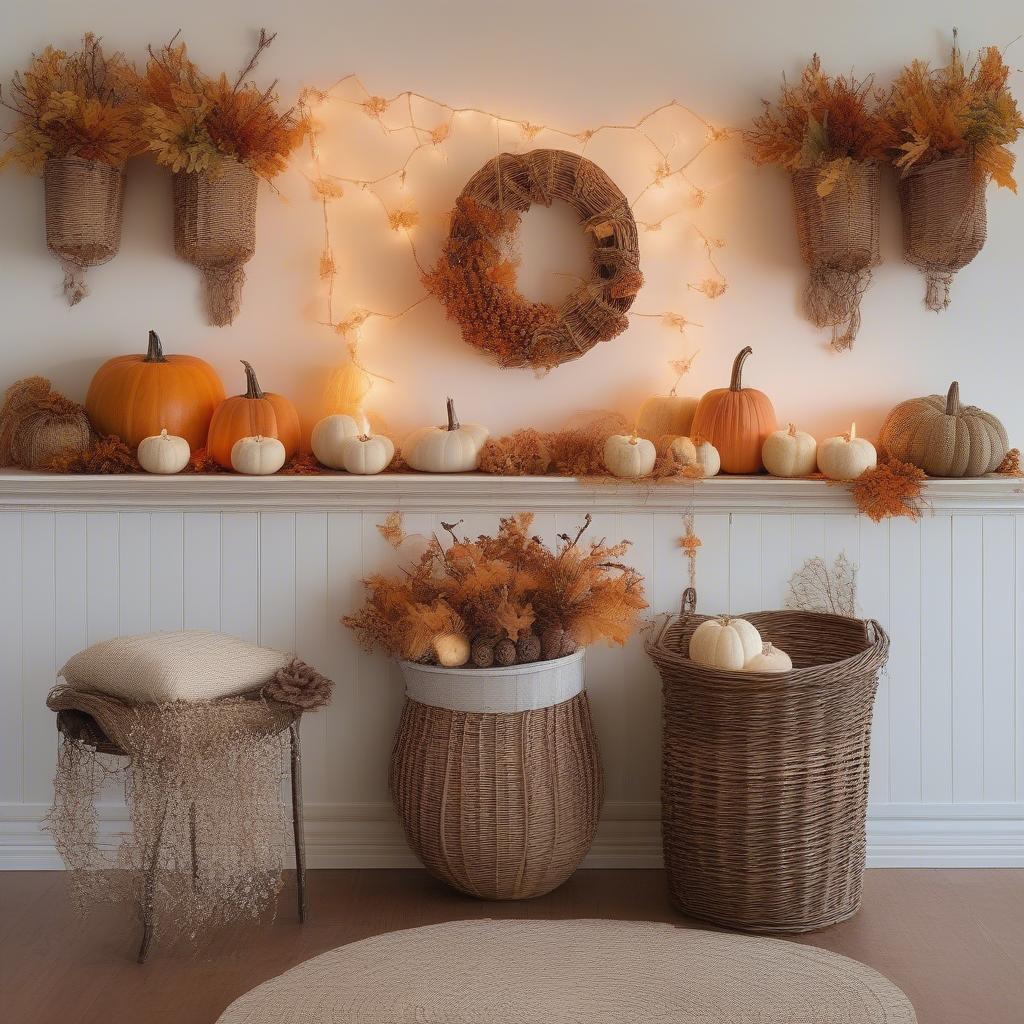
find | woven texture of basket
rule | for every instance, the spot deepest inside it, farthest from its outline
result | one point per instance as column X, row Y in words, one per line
column 765, row 777
column 84, row 204
column 944, row 222
column 499, row 806
column 215, row 230
column 838, row 235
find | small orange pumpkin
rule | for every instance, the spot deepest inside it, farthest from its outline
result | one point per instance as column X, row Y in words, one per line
column 256, row 413
column 136, row 397
column 736, row 420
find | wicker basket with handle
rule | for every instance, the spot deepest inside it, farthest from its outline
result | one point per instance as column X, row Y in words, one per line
column 765, row 777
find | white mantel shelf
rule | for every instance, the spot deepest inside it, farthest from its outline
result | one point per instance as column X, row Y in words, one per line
column 472, row 492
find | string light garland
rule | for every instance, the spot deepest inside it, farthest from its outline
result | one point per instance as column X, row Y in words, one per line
column 406, row 113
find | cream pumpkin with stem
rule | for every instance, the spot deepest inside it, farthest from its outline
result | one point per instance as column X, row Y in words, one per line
column 847, row 456
column 770, row 659
column 257, row 455
column 454, row 448
column 629, row 456
column 330, row 434
column 725, row 643
column 164, row 453
column 790, row 453
column 366, row 455
column 695, row 451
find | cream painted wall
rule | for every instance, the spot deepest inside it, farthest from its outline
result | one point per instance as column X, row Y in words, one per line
column 568, row 63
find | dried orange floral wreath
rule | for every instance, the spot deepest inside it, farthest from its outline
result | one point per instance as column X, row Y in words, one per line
column 475, row 275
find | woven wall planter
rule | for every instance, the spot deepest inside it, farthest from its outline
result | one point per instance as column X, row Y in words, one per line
column 944, row 222
column 84, row 205
column 765, row 777
column 500, row 805
column 838, row 236
column 215, row 230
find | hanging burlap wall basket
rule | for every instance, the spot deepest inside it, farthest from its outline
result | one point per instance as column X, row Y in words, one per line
column 838, row 236
column 944, row 222
column 474, row 277
column 215, row 230
column 84, row 202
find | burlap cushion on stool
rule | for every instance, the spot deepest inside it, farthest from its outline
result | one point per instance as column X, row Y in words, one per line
column 164, row 667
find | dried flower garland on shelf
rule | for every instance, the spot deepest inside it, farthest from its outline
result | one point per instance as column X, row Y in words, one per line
column 77, row 122
column 830, row 134
column 219, row 137
column 953, row 128
column 429, row 125
column 500, row 599
column 892, row 488
column 475, row 276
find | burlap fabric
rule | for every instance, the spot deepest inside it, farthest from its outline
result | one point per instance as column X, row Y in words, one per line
column 944, row 222
column 499, row 806
column 37, row 425
column 215, row 230
column 84, row 203
column 596, row 310
column 571, row 972
column 838, row 236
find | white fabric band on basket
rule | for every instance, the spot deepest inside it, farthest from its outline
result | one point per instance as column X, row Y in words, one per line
column 539, row 684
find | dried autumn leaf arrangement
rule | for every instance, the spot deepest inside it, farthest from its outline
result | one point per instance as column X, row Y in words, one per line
column 504, row 587
column 892, row 488
column 819, row 587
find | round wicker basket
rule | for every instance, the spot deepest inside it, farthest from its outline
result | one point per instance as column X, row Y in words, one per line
column 503, row 805
column 765, row 777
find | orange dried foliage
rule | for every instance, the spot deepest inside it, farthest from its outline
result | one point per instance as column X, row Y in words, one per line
column 821, row 120
column 1010, row 466
column 74, row 105
column 892, row 488
column 953, row 112
column 107, row 455
column 501, row 585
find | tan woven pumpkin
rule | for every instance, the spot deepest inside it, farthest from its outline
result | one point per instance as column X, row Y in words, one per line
column 943, row 437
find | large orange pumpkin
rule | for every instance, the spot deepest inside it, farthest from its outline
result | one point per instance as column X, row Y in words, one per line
column 136, row 397
column 736, row 420
column 257, row 412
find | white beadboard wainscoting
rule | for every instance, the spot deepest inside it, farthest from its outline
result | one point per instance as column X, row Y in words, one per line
column 278, row 560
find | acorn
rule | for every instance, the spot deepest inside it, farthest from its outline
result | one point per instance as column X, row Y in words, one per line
column 551, row 643
column 504, row 653
column 482, row 654
column 527, row 648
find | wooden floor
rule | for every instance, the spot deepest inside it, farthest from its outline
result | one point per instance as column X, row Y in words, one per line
column 952, row 940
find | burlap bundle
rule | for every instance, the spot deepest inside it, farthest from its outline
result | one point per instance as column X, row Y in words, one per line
column 38, row 425
column 215, row 230
column 84, row 203
column 944, row 223
column 838, row 236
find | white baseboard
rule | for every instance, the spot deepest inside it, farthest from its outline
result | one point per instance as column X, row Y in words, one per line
column 629, row 836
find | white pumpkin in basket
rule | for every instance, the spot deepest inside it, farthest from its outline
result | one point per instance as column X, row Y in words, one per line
column 770, row 659
column 725, row 643
column 628, row 456
column 330, row 434
column 163, row 453
column 454, row 448
column 790, row 453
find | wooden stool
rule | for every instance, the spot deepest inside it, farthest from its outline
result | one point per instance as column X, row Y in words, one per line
column 82, row 727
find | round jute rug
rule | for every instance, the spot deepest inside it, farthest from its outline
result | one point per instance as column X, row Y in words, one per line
column 557, row 972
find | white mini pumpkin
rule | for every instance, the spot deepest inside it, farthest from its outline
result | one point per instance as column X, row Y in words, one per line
column 770, row 659
column 330, row 433
column 629, row 456
column 257, row 455
column 452, row 650
column 725, row 643
column 789, row 453
column 163, row 453
column 454, row 448
column 847, row 456
column 665, row 414
column 366, row 454
column 689, row 452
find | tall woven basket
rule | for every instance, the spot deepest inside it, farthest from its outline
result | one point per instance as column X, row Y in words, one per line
column 84, row 205
column 500, row 804
column 765, row 777
column 838, row 236
column 215, row 230
column 944, row 222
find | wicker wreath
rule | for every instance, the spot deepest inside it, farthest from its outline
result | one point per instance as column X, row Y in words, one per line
column 475, row 276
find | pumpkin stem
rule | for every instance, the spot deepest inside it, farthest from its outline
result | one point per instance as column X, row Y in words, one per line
column 737, row 368
column 155, row 352
column 953, row 399
column 252, row 385
column 792, row 430
column 453, row 420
